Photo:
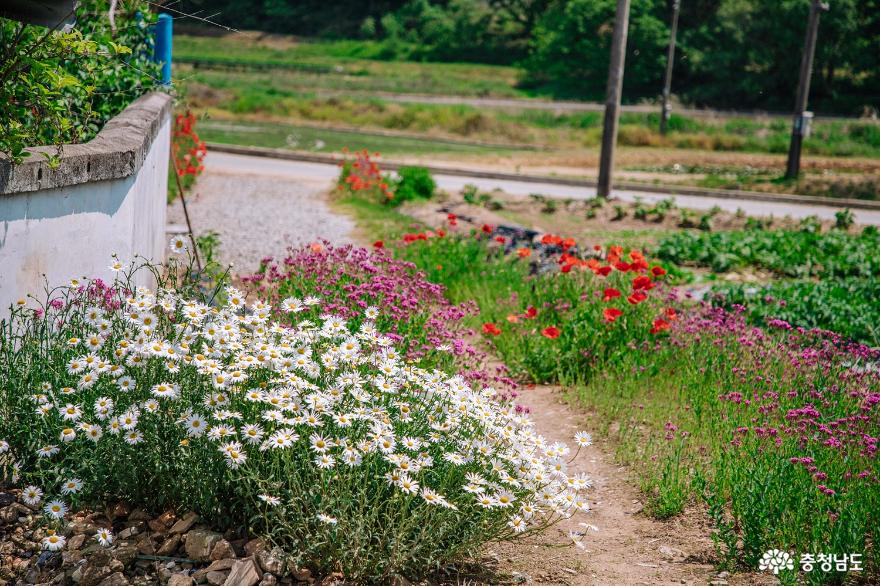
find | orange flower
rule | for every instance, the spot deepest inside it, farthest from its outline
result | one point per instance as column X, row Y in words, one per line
column 524, row 252
column 660, row 325
column 610, row 293
column 643, row 282
column 551, row 332
column 636, row 297
column 611, row 314
column 491, row 329
column 513, row 318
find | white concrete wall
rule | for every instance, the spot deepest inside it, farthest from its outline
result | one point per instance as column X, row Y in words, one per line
column 71, row 232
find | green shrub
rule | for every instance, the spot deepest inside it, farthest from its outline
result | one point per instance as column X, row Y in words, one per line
column 62, row 87
column 413, row 183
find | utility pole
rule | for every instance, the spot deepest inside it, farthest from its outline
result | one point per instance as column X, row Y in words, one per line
column 670, row 58
column 612, row 99
column 801, row 124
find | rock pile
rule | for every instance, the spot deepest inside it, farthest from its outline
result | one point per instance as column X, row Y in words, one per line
column 146, row 550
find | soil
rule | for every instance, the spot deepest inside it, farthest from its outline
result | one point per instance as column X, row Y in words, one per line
column 570, row 218
column 626, row 547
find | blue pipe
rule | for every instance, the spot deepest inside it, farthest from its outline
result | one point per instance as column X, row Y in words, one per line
column 162, row 50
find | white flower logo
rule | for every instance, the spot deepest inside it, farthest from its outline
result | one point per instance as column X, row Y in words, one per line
column 776, row 561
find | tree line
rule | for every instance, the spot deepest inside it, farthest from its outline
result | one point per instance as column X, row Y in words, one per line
column 733, row 54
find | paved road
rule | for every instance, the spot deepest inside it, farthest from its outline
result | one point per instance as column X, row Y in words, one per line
column 324, row 174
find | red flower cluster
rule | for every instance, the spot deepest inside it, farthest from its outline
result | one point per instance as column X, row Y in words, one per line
column 426, row 235
column 188, row 149
column 365, row 175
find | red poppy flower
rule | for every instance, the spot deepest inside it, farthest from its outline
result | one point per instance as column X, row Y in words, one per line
column 670, row 313
column 610, row 294
column 566, row 268
column 658, row 271
column 551, row 332
column 531, row 312
column 451, row 217
column 490, row 328
column 378, row 244
column 621, row 266
column 441, row 233
column 550, row 239
column 524, row 252
column 568, row 243
column 597, row 247
column 604, row 271
column 611, row 314
column 500, row 239
column 660, row 325
column 487, row 228
column 636, row 297
column 643, row 282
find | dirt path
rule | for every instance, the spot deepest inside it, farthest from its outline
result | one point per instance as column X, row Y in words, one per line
column 629, row 548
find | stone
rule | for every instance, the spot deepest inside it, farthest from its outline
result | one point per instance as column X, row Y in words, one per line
column 216, row 578
column 70, row 558
column 129, row 532
column 244, row 573
column 169, row 546
column 115, row 579
column 126, row 553
column 139, row 515
column 184, row 524
column 222, row 550
column 82, row 527
column 76, row 542
column 99, row 566
column 301, row 574
column 271, row 561
column 180, row 580
column 146, row 545
column 254, row 545
column 672, row 554
column 268, row 580
column 200, row 543
column 221, row 565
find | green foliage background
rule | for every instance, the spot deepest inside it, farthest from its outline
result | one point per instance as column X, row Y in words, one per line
column 735, row 54
column 62, row 87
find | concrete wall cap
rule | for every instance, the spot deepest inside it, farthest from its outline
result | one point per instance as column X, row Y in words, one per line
column 117, row 151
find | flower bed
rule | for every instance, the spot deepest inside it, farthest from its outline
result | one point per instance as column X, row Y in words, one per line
column 400, row 299
column 312, row 431
column 777, row 430
column 550, row 311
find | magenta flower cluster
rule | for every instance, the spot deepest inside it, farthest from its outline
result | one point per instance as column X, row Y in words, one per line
column 414, row 311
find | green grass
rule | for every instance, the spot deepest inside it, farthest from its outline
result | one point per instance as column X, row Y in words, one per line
column 354, row 66
column 356, row 70
column 321, row 140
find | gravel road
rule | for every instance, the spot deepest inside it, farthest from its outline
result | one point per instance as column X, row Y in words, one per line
column 259, row 213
